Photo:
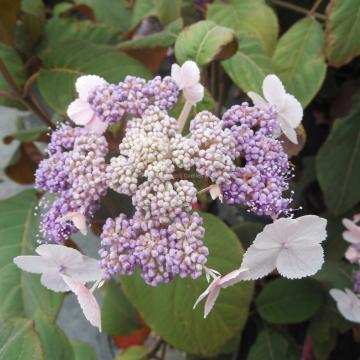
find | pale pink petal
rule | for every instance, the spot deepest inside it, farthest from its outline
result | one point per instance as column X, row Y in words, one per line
column 190, row 73
column 352, row 254
column 356, row 218
column 211, row 299
column 89, row 270
column 205, row 293
column 350, row 225
column 257, row 99
column 97, row 126
column 194, row 94
column 340, row 296
column 87, row 301
column 176, row 75
column 78, row 219
column 53, row 281
column 287, row 129
column 309, row 229
column 296, row 263
column 62, row 255
column 80, row 112
column 34, row 264
column 86, row 84
column 351, row 237
column 347, row 303
column 232, row 278
column 292, row 111
column 215, row 192
column 274, row 91
column 259, row 262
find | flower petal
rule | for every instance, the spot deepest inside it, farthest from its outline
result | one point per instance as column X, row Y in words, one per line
column 274, row 91
column 60, row 254
column 80, row 112
column 53, row 281
column 86, row 84
column 347, row 303
column 232, row 278
column 352, row 254
column 309, row 229
column 89, row 270
column 351, row 237
column 215, row 192
column 97, row 126
column 205, row 293
column 176, row 75
column 340, row 296
column 86, row 299
column 211, row 299
column 194, row 94
column 257, row 99
column 34, row 264
column 259, row 262
column 190, row 73
column 296, row 263
column 292, row 111
column 287, row 129
column 78, row 219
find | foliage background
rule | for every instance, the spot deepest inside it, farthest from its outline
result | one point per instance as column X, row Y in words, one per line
column 313, row 46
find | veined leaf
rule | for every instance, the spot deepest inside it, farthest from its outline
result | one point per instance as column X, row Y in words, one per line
column 299, row 60
column 342, row 31
column 205, row 41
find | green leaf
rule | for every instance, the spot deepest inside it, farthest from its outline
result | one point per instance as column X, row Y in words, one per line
column 285, row 301
column 167, row 10
column 336, row 274
column 83, row 351
column 161, row 39
column 249, row 66
column 19, row 341
column 299, row 60
column 14, row 65
column 247, row 231
column 133, row 353
column 337, row 162
column 56, row 345
column 342, row 31
column 59, row 30
column 118, row 317
column 115, row 13
column 22, row 293
column 65, row 62
column 205, row 41
column 168, row 308
column 247, row 17
column 269, row 345
column 141, row 10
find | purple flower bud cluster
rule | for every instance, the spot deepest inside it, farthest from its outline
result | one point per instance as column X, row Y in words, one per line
column 160, row 252
column 261, row 176
column 114, row 102
column 74, row 172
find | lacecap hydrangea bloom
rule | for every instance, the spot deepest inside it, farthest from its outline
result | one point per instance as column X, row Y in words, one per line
column 238, row 157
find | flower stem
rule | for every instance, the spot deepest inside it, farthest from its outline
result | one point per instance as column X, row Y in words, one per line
column 184, row 115
column 299, row 9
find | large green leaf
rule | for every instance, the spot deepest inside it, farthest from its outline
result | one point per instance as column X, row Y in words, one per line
column 115, row 13
column 249, row 66
column 118, row 317
column 14, row 65
column 336, row 274
column 299, row 59
column 167, row 11
column 285, row 301
column 338, row 160
column 249, row 17
column 65, row 62
column 161, row 39
column 83, row 351
column 342, row 31
column 205, row 41
column 247, row 231
column 55, row 344
column 59, row 30
column 168, row 308
column 19, row 341
column 21, row 292
column 269, row 345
